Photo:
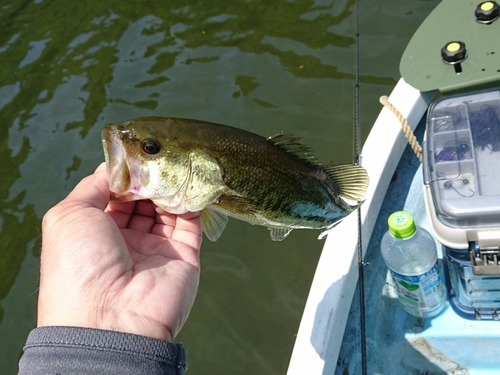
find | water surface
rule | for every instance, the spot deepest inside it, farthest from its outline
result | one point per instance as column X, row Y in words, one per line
column 68, row 68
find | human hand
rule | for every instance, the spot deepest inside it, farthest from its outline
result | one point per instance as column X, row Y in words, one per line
column 119, row 266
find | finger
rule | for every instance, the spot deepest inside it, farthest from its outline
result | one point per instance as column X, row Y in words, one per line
column 143, row 224
column 185, row 230
column 165, row 224
column 170, row 221
column 145, row 208
column 121, row 212
column 101, row 168
column 160, row 210
column 151, row 246
column 166, row 219
column 92, row 191
column 144, row 217
column 188, row 229
column 137, row 215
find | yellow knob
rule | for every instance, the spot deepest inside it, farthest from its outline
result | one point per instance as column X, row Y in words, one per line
column 487, row 5
column 453, row 47
column 454, row 52
column 487, row 12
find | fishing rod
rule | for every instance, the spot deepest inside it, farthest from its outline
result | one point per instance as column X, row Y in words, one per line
column 357, row 160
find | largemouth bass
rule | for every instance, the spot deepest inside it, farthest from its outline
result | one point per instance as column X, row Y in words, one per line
column 189, row 165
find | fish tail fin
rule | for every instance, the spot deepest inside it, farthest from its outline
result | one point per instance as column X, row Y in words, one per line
column 352, row 180
column 213, row 223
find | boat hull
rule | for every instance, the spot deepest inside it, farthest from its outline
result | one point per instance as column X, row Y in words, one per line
column 327, row 308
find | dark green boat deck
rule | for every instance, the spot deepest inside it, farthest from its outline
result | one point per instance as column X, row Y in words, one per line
column 453, row 20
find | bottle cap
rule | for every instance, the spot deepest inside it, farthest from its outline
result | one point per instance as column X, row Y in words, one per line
column 401, row 224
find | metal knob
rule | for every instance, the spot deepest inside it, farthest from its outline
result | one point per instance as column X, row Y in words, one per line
column 454, row 53
column 487, row 12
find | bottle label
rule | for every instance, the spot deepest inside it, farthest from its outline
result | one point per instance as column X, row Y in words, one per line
column 420, row 293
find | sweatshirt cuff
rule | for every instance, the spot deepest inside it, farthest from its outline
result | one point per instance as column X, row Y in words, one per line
column 66, row 348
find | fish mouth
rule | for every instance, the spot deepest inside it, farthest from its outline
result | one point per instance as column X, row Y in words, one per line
column 121, row 176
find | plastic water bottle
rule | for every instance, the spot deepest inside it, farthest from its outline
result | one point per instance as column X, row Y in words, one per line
column 410, row 253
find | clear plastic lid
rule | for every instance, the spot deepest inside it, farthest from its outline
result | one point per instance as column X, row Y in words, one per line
column 462, row 159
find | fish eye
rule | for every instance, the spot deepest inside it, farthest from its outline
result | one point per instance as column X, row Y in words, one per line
column 150, row 146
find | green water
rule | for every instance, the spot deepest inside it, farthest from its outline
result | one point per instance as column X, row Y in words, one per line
column 69, row 67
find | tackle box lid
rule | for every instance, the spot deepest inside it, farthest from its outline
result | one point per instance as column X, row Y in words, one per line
column 461, row 165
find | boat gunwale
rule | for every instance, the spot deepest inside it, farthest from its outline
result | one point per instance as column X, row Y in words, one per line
column 323, row 322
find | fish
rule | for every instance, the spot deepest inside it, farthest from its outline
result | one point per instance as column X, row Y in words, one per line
column 186, row 165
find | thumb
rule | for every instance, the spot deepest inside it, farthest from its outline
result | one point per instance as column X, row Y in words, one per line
column 92, row 191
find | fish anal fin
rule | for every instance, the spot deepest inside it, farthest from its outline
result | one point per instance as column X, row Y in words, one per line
column 325, row 231
column 279, row 234
column 213, row 223
column 352, row 180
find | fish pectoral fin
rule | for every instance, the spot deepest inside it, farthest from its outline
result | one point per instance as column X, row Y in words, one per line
column 279, row 234
column 213, row 223
column 237, row 204
column 352, row 180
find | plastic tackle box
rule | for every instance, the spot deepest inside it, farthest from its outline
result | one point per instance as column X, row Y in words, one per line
column 462, row 194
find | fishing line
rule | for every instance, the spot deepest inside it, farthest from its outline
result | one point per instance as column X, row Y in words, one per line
column 357, row 160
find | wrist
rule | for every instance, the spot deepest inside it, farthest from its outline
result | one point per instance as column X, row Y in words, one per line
column 106, row 320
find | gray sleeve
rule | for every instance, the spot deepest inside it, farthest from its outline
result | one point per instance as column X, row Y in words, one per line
column 75, row 350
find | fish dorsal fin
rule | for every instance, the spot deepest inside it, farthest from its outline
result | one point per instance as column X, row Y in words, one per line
column 279, row 234
column 352, row 180
column 292, row 144
column 213, row 223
